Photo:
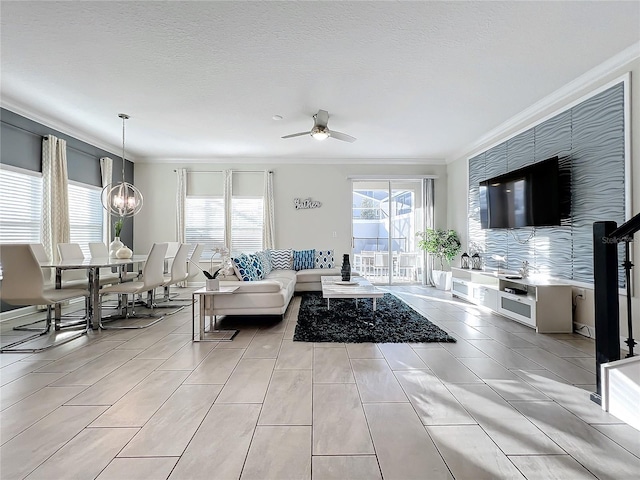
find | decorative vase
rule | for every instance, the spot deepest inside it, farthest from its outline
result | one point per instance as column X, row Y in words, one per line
column 124, row 252
column 115, row 246
column 212, row 284
column 346, row 268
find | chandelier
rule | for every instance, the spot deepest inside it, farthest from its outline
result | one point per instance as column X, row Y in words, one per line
column 122, row 199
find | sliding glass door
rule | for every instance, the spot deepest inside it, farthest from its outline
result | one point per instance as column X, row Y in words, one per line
column 385, row 218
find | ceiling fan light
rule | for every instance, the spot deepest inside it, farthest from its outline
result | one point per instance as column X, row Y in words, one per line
column 319, row 133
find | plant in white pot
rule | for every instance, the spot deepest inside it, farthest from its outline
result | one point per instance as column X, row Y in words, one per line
column 444, row 245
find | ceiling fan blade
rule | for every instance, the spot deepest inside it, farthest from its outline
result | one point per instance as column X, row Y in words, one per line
column 296, row 135
column 322, row 118
column 342, row 136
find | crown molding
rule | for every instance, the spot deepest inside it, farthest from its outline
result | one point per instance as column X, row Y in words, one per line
column 57, row 124
column 294, row 161
column 556, row 100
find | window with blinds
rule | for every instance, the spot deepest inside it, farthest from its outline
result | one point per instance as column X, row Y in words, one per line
column 204, row 222
column 85, row 215
column 20, row 206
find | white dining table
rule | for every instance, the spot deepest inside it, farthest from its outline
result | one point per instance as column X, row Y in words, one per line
column 93, row 266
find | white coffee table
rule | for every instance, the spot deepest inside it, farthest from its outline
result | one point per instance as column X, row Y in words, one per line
column 211, row 335
column 361, row 288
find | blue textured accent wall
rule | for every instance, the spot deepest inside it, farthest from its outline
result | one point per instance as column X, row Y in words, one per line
column 589, row 141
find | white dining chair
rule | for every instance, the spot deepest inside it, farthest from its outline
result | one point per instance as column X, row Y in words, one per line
column 193, row 262
column 152, row 277
column 23, row 284
column 179, row 273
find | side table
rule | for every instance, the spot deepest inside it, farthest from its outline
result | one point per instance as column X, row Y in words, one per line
column 212, row 335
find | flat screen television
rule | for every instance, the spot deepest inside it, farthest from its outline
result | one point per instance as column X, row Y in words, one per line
column 527, row 197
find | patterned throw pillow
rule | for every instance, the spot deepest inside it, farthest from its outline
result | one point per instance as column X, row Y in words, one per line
column 304, row 259
column 266, row 261
column 280, row 259
column 243, row 266
column 257, row 267
column 324, row 259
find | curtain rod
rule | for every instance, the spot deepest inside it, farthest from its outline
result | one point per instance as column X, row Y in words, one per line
column 222, row 171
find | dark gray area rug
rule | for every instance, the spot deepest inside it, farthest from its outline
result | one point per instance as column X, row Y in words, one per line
column 394, row 321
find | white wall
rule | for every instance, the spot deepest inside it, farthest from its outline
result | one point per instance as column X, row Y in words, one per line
column 457, row 184
column 312, row 228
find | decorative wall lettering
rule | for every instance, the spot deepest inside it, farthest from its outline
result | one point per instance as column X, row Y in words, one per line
column 306, row 203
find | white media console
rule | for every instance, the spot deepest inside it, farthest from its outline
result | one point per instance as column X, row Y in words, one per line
column 544, row 305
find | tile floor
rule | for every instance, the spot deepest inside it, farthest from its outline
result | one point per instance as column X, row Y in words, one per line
column 501, row 403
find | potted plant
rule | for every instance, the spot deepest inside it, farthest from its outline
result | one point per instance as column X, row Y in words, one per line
column 444, row 245
column 116, row 244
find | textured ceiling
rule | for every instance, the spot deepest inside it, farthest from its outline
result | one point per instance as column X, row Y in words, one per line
column 202, row 80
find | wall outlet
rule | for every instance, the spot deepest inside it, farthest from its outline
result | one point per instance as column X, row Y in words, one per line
column 580, row 293
column 335, row 234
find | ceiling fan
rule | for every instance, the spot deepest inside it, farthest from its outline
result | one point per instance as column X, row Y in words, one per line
column 320, row 131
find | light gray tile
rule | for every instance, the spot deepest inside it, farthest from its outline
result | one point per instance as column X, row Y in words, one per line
column 86, row 455
column 624, row 435
column 570, row 372
column 188, row 357
column 139, row 404
column 24, row 386
column 144, row 341
column 583, row 442
column 403, row 447
column 363, row 350
column 446, row 366
column 516, row 390
column 80, row 357
column 331, row 365
column 295, row 355
column 264, row 346
column 463, row 349
column 588, row 363
column 15, row 370
column 95, row 370
column 279, row 452
column 339, row 425
column 433, row 402
column 482, row 459
column 115, row 385
column 509, row 339
column 25, row 413
column 170, row 429
column 217, row 367
column 227, row 431
column 241, row 340
column 550, row 344
column 488, row 369
column 513, row 433
column 376, row 382
column 21, row 455
column 138, row 469
column 550, row 467
column 166, row 347
column 461, row 330
column 503, row 355
column 401, row 356
column 360, row 467
column 289, row 399
column 249, row 381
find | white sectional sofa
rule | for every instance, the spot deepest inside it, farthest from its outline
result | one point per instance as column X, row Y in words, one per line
column 270, row 296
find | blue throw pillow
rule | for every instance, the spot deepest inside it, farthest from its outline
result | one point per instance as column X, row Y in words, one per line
column 324, row 259
column 243, row 266
column 304, row 259
column 257, row 271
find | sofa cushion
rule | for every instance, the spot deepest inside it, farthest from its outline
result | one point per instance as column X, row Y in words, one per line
column 281, row 259
column 313, row 275
column 324, row 259
column 304, row 259
column 261, row 286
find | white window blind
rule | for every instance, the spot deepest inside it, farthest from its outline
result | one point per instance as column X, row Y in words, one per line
column 85, row 215
column 204, row 222
column 246, row 224
column 20, row 206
